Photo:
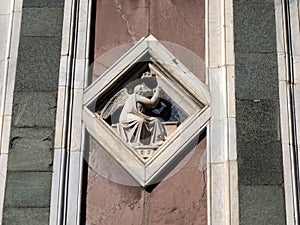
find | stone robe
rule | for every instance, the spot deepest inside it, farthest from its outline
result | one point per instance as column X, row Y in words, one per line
column 138, row 129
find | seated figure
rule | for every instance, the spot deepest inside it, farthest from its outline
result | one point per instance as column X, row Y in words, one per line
column 135, row 127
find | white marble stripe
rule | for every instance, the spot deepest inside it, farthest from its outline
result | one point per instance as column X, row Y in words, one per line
column 3, row 170
column 10, row 19
column 284, row 90
column 73, row 187
column 222, row 173
column 58, row 183
column 56, row 210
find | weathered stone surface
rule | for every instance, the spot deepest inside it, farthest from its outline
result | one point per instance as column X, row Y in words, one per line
column 256, row 76
column 254, row 26
column 28, row 189
column 180, row 22
column 130, row 23
column 46, row 22
column 263, row 205
column 43, row 3
column 31, row 149
column 110, row 203
column 112, row 195
column 33, row 109
column 181, row 199
column 38, row 64
column 26, row 216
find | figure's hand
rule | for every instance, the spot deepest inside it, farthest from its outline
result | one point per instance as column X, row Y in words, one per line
column 157, row 90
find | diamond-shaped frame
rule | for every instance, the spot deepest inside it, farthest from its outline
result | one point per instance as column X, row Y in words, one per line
column 168, row 155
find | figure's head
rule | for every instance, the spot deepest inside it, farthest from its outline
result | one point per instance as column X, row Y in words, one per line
column 143, row 90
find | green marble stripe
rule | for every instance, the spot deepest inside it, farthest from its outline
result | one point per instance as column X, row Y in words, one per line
column 260, row 169
column 28, row 184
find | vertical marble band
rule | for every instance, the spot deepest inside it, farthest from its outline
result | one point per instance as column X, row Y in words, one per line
column 69, row 132
column 285, row 87
column 10, row 21
column 222, row 154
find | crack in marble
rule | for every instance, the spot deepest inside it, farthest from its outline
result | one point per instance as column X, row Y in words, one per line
column 178, row 11
column 129, row 30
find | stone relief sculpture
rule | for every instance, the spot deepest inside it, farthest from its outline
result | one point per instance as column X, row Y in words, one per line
column 135, row 127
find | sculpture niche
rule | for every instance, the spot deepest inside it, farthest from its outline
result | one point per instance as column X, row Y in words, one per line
column 142, row 132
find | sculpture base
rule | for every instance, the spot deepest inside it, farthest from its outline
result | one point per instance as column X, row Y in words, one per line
column 145, row 151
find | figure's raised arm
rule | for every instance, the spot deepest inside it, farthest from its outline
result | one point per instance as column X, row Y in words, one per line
column 150, row 103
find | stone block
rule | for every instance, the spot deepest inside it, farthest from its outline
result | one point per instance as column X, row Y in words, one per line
column 28, row 189
column 31, row 149
column 34, row 109
column 28, row 216
column 43, row 3
column 38, row 64
column 256, row 76
column 44, row 22
column 260, row 162
column 254, row 26
column 258, row 120
column 263, row 205
column 259, row 142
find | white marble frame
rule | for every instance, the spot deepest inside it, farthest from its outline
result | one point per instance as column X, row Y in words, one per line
column 284, row 95
column 222, row 157
column 199, row 116
column 10, row 23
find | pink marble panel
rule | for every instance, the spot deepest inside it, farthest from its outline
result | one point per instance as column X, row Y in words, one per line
column 181, row 199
